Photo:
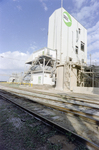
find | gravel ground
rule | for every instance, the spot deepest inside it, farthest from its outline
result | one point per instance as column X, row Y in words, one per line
column 22, row 131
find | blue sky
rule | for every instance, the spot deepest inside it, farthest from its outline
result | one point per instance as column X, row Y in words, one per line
column 24, row 27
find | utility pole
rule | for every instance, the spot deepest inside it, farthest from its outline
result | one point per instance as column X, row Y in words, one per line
column 90, row 62
column 61, row 3
column 43, row 70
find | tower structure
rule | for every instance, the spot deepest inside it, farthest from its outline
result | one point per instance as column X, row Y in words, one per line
column 69, row 38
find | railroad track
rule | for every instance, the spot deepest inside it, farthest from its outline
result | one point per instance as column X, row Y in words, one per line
column 83, row 109
column 72, row 119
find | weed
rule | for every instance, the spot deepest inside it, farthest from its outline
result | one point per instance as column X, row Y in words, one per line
column 70, row 137
column 81, row 147
column 51, row 146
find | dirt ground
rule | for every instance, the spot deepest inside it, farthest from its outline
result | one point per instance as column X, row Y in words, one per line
column 22, row 131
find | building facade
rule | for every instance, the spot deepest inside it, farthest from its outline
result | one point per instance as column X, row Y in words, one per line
column 67, row 36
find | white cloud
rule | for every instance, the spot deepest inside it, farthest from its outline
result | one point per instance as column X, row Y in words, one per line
column 19, row 7
column 32, row 47
column 93, row 38
column 79, row 3
column 93, row 47
column 13, row 60
column 44, row 5
column 94, row 59
column 42, row 29
column 87, row 14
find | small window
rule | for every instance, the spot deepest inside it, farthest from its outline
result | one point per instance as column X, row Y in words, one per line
column 79, row 30
column 82, row 60
column 70, row 59
column 82, row 46
column 76, row 49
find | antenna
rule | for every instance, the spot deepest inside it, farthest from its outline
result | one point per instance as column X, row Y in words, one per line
column 61, row 3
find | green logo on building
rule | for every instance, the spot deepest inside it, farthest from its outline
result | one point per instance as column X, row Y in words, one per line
column 67, row 19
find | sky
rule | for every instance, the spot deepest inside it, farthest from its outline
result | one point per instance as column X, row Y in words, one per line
column 24, row 29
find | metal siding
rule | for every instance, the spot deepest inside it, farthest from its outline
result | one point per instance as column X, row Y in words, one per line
column 67, row 49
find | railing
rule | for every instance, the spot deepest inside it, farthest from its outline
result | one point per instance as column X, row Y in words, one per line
column 30, row 84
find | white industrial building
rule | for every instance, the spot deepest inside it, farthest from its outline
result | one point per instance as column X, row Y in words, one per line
column 42, row 64
column 63, row 63
column 68, row 36
column 66, row 53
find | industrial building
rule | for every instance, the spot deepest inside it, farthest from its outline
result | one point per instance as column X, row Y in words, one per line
column 66, row 52
column 42, row 63
column 69, row 38
column 63, row 63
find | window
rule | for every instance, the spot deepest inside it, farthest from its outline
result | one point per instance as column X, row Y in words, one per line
column 82, row 60
column 79, row 30
column 76, row 49
column 82, row 46
column 70, row 59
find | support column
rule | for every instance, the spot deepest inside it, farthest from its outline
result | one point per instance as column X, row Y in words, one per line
column 43, row 70
column 60, row 77
column 70, row 75
column 93, row 80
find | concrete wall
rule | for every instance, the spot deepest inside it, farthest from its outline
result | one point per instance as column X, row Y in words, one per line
column 47, row 79
column 61, row 77
column 59, row 82
column 86, row 90
column 73, row 80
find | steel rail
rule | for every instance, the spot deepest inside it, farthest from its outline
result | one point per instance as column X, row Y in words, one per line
column 63, row 100
column 87, row 116
column 60, row 101
column 53, row 124
column 60, row 95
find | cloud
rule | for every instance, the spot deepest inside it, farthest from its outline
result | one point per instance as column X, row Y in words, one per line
column 13, row 60
column 87, row 14
column 42, row 29
column 94, row 59
column 93, row 38
column 79, row 3
column 44, row 5
column 19, row 7
column 33, row 47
